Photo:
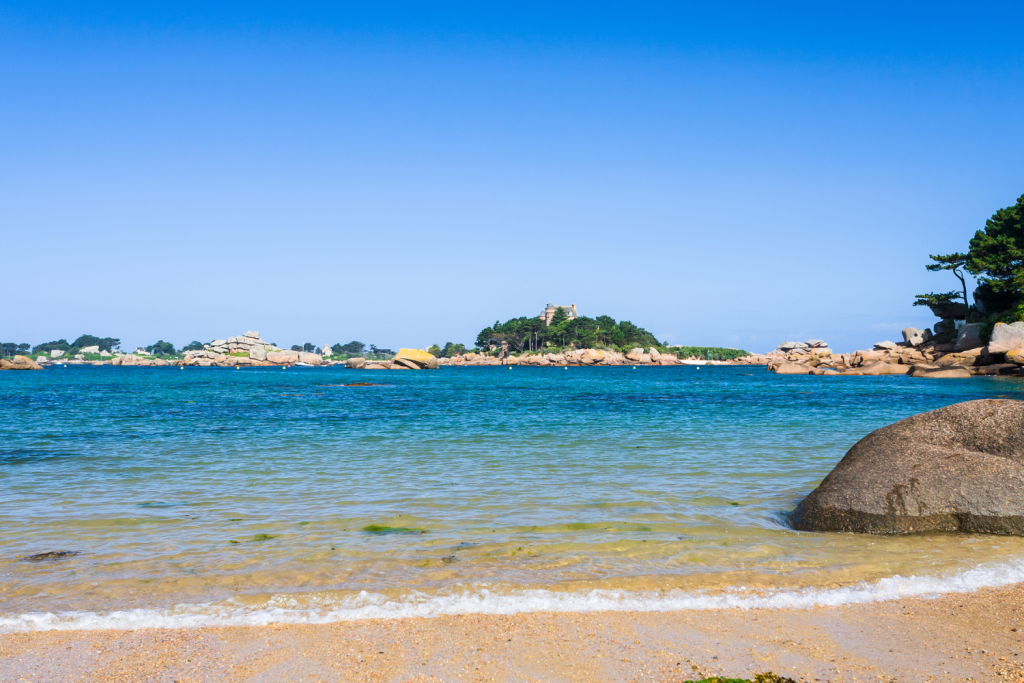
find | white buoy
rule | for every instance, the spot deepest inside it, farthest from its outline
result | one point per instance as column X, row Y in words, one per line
column 566, row 367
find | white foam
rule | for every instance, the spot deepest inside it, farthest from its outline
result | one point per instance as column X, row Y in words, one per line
column 284, row 609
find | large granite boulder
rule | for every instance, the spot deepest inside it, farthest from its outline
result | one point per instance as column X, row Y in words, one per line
column 881, row 368
column 414, row 359
column 355, row 363
column 635, row 354
column 969, row 337
column 283, row 357
column 959, row 468
column 973, row 357
column 939, row 372
column 1006, row 337
column 19, row 363
column 787, row 368
column 916, row 337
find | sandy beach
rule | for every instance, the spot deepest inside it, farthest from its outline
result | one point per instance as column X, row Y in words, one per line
column 956, row 637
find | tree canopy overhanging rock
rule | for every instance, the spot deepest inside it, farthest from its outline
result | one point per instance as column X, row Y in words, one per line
column 959, row 468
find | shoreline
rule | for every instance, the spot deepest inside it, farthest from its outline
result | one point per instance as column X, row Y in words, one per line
column 955, row 637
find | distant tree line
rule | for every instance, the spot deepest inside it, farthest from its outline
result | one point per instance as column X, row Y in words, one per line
column 707, row 352
column 532, row 334
column 84, row 341
column 13, row 349
column 449, row 350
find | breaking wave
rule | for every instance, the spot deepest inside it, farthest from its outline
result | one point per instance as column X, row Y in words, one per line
column 320, row 609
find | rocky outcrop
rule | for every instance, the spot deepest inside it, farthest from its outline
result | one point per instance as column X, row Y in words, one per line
column 19, row 363
column 791, row 347
column 245, row 343
column 915, row 337
column 889, row 358
column 413, row 359
column 355, row 363
column 959, row 468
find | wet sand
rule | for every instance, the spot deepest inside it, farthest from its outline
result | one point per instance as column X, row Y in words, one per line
column 969, row 637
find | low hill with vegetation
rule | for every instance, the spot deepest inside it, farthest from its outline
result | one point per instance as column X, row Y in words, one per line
column 533, row 335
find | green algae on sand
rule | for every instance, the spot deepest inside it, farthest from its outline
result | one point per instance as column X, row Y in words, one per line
column 767, row 677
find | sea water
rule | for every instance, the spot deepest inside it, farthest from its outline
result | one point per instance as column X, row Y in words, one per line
column 221, row 496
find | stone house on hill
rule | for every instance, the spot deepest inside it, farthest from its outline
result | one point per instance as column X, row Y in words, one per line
column 549, row 313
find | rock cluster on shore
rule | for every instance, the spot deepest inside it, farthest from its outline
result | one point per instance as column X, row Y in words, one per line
column 405, row 359
column 918, row 355
column 247, row 350
column 959, row 468
column 19, row 363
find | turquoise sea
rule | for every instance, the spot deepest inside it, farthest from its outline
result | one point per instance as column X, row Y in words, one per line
column 216, row 495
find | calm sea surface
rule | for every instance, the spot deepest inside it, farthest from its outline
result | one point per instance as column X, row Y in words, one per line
column 267, row 489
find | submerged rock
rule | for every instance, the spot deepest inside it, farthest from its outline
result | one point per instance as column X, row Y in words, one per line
column 52, row 555
column 959, row 468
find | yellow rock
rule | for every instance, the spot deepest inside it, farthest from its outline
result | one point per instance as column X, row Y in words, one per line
column 1015, row 356
column 421, row 358
column 19, row 363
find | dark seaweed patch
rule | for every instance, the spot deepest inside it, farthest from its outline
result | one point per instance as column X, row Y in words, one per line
column 383, row 530
column 52, row 555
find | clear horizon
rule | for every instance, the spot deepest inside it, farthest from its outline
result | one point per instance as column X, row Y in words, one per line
column 406, row 176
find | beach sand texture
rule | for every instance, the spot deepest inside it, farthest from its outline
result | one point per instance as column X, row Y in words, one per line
column 957, row 637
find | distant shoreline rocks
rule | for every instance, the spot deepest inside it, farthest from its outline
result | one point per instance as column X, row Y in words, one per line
column 919, row 355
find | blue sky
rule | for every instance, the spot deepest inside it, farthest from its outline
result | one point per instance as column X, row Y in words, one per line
column 407, row 175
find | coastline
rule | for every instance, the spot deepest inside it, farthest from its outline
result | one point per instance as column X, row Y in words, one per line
column 956, row 637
